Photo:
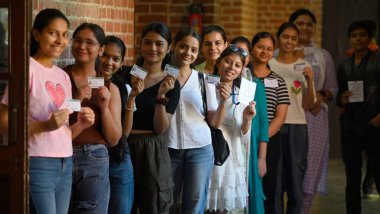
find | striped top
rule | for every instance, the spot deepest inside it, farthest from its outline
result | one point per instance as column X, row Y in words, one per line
column 276, row 92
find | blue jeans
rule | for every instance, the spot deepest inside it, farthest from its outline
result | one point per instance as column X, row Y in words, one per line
column 49, row 184
column 122, row 185
column 91, row 187
column 191, row 172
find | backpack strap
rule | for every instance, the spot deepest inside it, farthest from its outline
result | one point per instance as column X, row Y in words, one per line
column 202, row 87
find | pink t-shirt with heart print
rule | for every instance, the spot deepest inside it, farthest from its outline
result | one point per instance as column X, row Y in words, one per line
column 49, row 90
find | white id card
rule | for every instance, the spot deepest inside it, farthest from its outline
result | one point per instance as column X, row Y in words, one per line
column 212, row 79
column 308, row 51
column 95, row 82
column 299, row 67
column 138, row 72
column 74, row 105
column 171, row 70
column 357, row 89
column 270, row 83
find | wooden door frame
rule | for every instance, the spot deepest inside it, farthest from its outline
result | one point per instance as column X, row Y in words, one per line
column 14, row 157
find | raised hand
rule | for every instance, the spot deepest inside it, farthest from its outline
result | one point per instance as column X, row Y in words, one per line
column 166, row 85
column 58, row 119
column 104, row 97
column 224, row 91
column 84, row 92
column 137, row 86
column 250, row 111
column 308, row 73
column 86, row 117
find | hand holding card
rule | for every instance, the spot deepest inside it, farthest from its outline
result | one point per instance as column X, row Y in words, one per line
column 138, row 72
column 171, row 70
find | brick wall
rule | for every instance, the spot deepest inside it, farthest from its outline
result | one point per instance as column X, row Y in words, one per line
column 238, row 17
column 272, row 13
column 116, row 17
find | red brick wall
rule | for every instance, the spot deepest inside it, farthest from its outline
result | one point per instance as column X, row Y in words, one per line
column 238, row 17
column 272, row 13
column 116, row 17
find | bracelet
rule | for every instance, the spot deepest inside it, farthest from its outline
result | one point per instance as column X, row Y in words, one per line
column 264, row 158
column 128, row 109
column 163, row 101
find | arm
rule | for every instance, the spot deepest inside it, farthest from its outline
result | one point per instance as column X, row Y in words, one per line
column 308, row 94
column 216, row 118
column 343, row 93
column 110, row 107
column 138, row 87
column 262, row 115
column 56, row 120
column 279, row 119
column 248, row 113
column 3, row 119
column 161, row 119
column 330, row 86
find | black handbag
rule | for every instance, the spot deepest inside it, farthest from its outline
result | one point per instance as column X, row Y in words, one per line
column 219, row 143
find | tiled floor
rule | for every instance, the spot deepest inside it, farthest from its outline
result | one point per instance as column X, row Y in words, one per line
column 334, row 203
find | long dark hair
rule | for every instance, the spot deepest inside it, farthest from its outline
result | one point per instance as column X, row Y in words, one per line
column 182, row 33
column 285, row 26
column 42, row 20
column 98, row 32
column 111, row 39
column 226, row 52
column 96, row 29
column 300, row 12
column 161, row 29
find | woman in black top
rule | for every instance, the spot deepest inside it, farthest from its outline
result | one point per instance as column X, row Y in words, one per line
column 155, row 106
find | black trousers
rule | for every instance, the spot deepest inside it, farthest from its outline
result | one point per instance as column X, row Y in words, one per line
column 286, row 166
column 353, row 144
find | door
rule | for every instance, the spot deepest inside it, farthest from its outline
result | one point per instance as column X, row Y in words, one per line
column 15, row 22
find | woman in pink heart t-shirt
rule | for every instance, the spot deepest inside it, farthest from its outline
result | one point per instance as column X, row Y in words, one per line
column 50, row 136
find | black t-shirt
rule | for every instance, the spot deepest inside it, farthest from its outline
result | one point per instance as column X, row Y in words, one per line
column 146, row 101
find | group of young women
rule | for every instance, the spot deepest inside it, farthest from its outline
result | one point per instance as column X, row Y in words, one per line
column 145, row 143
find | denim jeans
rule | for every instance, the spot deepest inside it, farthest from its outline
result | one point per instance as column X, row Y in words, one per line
column 91, row 187
column 122, row 185
column 49, row 183
column 191, row 172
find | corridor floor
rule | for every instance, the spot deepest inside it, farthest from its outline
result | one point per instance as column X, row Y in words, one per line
column 334, row 203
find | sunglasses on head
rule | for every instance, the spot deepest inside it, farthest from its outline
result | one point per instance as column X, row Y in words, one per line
column 236, row 48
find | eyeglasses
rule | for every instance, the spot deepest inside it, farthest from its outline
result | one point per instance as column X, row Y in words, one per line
column 87, row 42
column 236, row 48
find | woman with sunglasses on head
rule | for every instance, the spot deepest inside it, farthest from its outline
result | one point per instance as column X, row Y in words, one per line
column 228, row 188
column 317, row 118
column 263, row 44
column 189, row 136
column 154, row 108
column 91, row 186
column 111, row 59
column 214, row 41
column 298, row 76
column 50, row 136
column 256, row 146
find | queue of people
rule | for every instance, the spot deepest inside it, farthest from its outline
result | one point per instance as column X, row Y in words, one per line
column 141, row 141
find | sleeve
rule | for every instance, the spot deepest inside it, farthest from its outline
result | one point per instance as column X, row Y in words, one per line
column 173, row 96
column 330, row 80
column 282, row 92
column 262, row 114
column 342, row 83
